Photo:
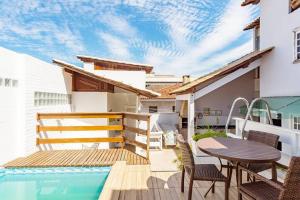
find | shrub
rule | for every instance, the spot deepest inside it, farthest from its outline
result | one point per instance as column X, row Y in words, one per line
column 209, row 133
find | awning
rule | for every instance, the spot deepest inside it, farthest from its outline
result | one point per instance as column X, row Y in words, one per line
column 242, row 62
column 247, row 2
column 72, row 68
column 116, row 64
column 252, row 25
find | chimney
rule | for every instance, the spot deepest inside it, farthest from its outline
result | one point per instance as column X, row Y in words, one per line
column 185, row 79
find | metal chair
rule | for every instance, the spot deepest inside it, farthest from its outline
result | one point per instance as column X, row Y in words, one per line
column 265, row 189
column 199, row 172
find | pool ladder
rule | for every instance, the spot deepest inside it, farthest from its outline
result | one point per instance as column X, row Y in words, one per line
column 248, row 115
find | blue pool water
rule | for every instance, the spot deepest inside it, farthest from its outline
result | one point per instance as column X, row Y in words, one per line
column 72, row 183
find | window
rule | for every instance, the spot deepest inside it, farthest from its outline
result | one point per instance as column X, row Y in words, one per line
column 296, row 123
column 15, row 83
column 184, row 122
column 51, row 99
column 297, row 45
column 7, row 82
column 152, row 109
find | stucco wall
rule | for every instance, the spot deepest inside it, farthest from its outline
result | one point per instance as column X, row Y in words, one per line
column 162, row 106
column 133, row 78
column 279, row 76
column 222, row 98
column 18, row 111
column 11, row 67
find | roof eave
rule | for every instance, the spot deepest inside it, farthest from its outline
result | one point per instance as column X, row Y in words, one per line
column 183, row 90
column 248, row 2
column 124, row 86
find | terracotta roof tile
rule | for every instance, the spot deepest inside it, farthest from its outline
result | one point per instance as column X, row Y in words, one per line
column 165, row 91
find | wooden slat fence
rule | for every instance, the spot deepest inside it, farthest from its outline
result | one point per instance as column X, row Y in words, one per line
column 122, row 127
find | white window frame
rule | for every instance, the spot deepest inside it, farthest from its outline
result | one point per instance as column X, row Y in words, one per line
column 297, row 123
column 297, row 45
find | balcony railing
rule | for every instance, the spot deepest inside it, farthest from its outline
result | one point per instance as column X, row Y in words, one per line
column 126, row 122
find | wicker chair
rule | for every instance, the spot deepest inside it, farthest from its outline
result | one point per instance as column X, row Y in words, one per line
column 262, row 137
column 265, row 138
column 199, row 172
column 265, row 189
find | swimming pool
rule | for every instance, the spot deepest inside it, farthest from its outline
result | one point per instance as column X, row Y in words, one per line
column 53, row 183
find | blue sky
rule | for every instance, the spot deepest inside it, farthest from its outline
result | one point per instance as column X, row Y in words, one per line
column 176, row 37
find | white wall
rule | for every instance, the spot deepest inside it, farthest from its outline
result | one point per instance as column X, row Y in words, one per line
column 133, row 78
column 11, row 67
column 223, row 97
column 43, row 77
column 279, row 76
column 18, row 111
column 163, row 106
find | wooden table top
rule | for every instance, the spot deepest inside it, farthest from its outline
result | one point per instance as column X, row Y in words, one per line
column 239, row 150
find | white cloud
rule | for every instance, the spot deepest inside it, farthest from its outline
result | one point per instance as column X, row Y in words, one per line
column 119, row 24
column 219, row 60
column 115, row 45
column 181, row 34
column 228, row 29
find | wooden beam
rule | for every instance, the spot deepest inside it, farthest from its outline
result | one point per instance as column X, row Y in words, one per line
column 135, row 130
column 78, row 140
column 78, row 115
column 135, row 116
column 148, row 140
column 79, row 128
column 136, row 143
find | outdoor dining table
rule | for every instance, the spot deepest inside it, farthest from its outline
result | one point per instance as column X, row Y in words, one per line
column 240, row 151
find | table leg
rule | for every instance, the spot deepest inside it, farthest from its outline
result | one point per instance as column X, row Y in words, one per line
column 229, row 172
column 240, row 180
column 274, row 172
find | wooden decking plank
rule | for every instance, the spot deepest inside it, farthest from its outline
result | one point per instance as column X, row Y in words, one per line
column 90, row 160
column 65, row 158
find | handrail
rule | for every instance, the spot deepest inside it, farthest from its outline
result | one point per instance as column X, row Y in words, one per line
column 122, row 126
column 231, row 110
column 250, row 110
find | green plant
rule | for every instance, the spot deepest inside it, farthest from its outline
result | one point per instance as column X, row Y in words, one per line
column 209, row 133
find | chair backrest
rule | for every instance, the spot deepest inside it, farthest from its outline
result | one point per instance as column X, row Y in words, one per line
column 265, row 138
column 291, row 184
column 187, row 154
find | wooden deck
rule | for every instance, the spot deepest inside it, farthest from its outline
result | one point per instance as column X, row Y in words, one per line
column 138, row 182
column 76, row 158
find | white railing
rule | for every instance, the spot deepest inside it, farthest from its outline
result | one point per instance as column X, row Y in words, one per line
column 290, row 139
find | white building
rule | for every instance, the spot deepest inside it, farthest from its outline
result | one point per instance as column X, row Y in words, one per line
column 271, row 71
column 29, row 86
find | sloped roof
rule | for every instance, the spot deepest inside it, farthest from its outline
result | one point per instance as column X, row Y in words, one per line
column 124, row 64
column 252, row 25
column 219, row 73
column 247, row 2
column 295, row 4
column 74, row 68
column 165, row 91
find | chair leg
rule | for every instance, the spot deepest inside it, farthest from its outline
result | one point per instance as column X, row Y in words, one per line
column 248, row 177
column 240, row 197
column 226, row 190
column 236, row 176
column 213, row 187
column 182, row 180
column 191, row 188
